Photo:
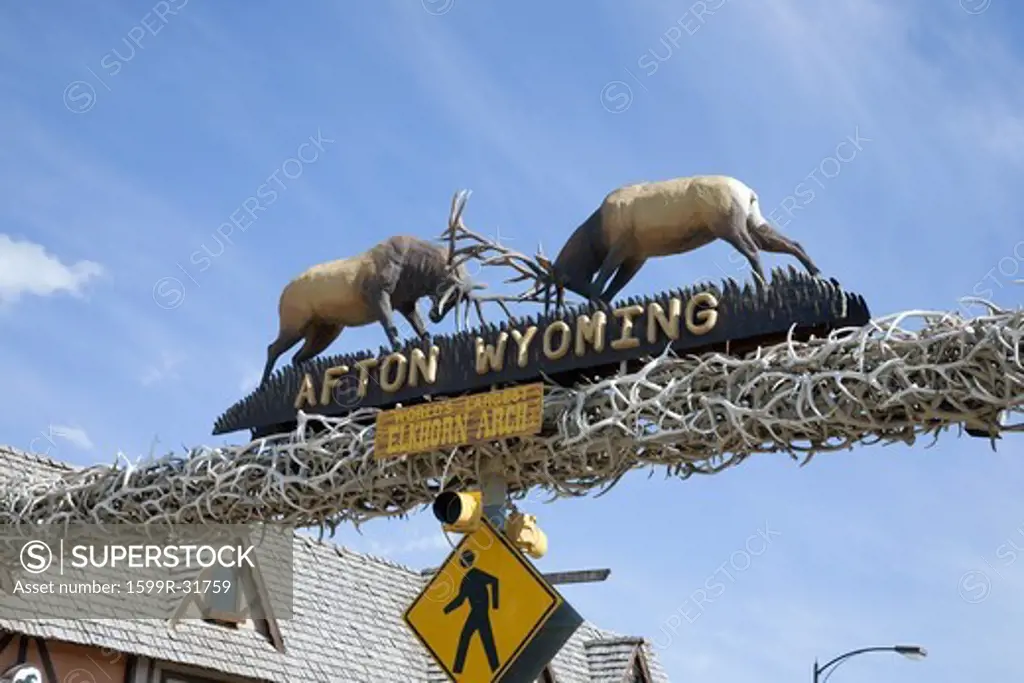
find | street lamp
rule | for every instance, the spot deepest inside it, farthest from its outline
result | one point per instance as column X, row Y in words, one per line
column 908, row 651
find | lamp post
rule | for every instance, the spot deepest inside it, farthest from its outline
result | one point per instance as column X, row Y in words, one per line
column 908, row 651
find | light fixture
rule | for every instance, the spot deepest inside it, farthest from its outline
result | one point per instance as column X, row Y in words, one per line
column 911, row 651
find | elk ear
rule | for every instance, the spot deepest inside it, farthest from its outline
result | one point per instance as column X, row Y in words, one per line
column 543, row 261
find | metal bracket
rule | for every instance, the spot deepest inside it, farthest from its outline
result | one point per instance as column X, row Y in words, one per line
column 494, row 495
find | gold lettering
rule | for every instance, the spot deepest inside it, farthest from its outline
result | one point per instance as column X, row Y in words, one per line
column 415, row 435
column 395, row 433
column 435, row 432
column 461, row 429
column 331, row 380
column 523, row 341
column 563, row 346
column 708, row 318
column 420, row 365
column 626, row 339
column 483, row 425
column 364, row 366
column 489, row 358
column 500, row 419
column 669, row 324
column 387, row 383
column 446, row 429
column 592, row 331
column 512, row 418
column 307, row 394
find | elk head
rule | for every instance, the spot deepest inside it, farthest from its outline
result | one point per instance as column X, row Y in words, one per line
column 553, row 280
column 456, row 288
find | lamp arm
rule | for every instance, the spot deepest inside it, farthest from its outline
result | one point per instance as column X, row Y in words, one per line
column 833, row 670
column 851, row 653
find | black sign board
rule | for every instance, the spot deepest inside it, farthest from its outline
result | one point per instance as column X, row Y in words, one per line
column 586, row 341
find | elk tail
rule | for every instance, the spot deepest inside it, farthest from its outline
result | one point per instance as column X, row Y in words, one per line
column 754, row 217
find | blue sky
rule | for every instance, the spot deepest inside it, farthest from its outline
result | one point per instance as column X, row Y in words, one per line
column 121, row 166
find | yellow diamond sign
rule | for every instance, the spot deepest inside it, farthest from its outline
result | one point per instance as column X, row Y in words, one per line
column 488, row 616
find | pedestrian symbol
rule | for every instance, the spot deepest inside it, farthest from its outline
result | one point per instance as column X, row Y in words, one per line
column 488, row 616
column 480, row 589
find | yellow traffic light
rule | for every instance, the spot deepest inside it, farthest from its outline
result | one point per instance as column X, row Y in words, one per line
column 459, row 512
column 524, row 533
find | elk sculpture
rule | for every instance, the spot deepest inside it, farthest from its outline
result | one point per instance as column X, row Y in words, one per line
column 637, row 222
column 391, row 276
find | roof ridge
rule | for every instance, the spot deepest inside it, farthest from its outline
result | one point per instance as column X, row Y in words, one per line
column 38, row 457
column 616, row 640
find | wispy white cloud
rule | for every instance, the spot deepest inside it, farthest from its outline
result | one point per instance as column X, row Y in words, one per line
column 166, row 368
column 76, row 436
column 28, row 268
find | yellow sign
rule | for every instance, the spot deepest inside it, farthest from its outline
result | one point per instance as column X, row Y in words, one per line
column 482, row 608
column 518, row 411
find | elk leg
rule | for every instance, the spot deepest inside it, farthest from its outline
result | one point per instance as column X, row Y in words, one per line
column 616, row 255
column 744, row 244
column 627, row 271
column 286, row 339
column 413, row 316
column 386, row 316
column 770, row 239
column 318, row 338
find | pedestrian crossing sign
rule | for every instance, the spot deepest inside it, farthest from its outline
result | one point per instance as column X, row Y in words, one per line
column 488, row 616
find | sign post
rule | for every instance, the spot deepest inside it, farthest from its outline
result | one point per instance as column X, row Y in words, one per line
column 488, row 616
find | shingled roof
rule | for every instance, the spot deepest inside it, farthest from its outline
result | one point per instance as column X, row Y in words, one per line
column 346, row 623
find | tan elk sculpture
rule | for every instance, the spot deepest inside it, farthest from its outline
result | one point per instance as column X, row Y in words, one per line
column 638, row 222
column 391, row 276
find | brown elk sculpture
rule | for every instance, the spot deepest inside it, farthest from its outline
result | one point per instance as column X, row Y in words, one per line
column 637, row 222
column 391, row 276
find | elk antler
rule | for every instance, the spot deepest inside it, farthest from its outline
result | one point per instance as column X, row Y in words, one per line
column 465, row 293
column 538, row 269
